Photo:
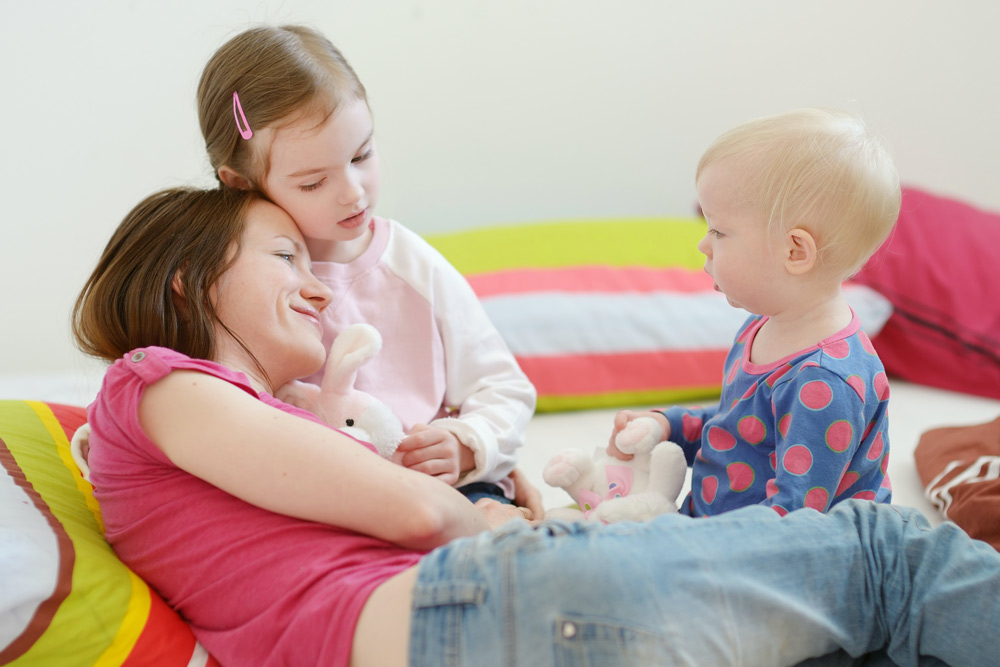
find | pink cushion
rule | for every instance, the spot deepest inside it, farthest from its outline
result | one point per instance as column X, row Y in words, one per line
column 941, row 271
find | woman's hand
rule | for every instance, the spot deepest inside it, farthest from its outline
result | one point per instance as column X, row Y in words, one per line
column 497, row 513
column 622, row 419
column 527, row 496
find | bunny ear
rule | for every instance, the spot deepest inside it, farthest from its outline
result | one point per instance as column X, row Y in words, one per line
column 352, row 347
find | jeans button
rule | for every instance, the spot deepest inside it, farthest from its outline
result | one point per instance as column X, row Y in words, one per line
column 569, row 630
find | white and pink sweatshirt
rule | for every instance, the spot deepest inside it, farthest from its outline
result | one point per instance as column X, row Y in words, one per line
column 442, row 361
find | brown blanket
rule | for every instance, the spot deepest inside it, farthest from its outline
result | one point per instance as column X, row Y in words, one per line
column 960, row 469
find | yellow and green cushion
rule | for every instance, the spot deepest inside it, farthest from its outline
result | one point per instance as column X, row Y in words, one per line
column 66, row 598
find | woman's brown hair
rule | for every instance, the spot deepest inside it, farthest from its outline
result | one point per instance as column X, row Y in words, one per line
column 280, row 73
column 131, row 299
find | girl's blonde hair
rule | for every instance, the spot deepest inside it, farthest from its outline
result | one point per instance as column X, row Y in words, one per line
column 281, row 73
column 818, row 169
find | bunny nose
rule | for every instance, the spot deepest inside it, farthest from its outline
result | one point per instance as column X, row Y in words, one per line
column 350, row 422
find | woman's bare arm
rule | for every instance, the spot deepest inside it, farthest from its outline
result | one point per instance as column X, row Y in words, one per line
column 286, row 464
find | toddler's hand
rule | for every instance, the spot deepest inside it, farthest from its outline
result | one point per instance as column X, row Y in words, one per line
column 622, row 419
column 435, row 452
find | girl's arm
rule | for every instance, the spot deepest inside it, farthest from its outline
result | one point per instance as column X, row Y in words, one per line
column 293, row 466
column 495, row 399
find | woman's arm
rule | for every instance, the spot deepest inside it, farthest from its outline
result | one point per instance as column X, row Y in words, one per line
column 289, row 465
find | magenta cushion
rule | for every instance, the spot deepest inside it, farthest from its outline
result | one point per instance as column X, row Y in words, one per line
column 941, row 271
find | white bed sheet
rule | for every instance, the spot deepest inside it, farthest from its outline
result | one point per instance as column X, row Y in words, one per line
column 913, row 409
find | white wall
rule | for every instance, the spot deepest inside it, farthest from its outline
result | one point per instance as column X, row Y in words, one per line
column 486, row 111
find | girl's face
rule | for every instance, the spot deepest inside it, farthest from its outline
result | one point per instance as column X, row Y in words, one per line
column 746, row 268
column 270, row 299
column 327, row 178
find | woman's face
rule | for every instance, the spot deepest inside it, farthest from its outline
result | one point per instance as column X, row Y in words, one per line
column 270, row 299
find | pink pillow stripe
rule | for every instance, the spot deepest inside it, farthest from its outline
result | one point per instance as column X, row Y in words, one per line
column 605, row 279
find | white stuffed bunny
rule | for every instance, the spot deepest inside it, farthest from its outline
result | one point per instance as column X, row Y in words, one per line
column 609, row 489
column 341, row 405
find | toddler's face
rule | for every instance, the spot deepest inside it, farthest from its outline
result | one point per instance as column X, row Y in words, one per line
column 746, row 268
column 327, row 177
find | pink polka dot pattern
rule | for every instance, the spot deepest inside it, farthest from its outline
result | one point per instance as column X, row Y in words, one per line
column 881, row 386
column 741, row 476
column 847, row 481
column 797, row 460
column 875, row 451
column 838, row 349
column 815, row 395
column 776, row 375
column 884, row 468
column 858, row 385
column 784, row 423
column 732, row 372
column 817, row 498
column 866, row 343
column 752, row 429
column 764, row 441
column 864, row 495
column 709, row 487
column 839, row 435
column 691, row 427
column 720, row 440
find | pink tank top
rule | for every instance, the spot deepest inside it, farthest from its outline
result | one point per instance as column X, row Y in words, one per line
column 258, row 588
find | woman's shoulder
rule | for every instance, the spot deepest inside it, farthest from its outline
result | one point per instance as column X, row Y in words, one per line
column 153, row 363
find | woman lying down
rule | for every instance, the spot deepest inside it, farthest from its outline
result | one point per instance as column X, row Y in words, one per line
column 285, row 542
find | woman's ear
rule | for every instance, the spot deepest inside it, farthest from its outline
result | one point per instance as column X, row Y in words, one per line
column 801, row 253
column 177, row 284
column 233, row 179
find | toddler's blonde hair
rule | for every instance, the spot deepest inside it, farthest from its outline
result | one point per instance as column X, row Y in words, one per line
column 818, row 169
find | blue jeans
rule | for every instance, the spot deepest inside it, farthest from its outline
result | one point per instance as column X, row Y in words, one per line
column 747, row 587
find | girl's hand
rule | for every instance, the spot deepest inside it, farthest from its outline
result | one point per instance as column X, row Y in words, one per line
column 622, row 419
column 436, row 452
column 300, row 394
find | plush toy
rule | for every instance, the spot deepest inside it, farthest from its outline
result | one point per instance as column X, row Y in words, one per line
column 343, row 406
column 609, row 489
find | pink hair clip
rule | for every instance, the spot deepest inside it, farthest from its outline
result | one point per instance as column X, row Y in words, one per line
column 238, row 114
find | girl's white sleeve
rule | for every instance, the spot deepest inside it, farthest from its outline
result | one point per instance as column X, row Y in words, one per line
column 492, row 397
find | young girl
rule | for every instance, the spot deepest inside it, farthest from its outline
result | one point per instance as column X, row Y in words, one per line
column 795, row 204
column 283, row 113
column 285, row 542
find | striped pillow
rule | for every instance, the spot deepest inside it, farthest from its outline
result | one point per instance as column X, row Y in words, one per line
column 610, row 313
column 67, row 599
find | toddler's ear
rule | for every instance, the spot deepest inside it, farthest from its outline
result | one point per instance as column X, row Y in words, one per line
column 233, row 179
column 800, row 251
